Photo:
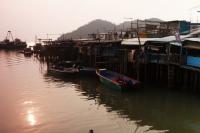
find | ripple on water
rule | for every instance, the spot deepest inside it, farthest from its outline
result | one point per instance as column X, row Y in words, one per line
column 11, row 59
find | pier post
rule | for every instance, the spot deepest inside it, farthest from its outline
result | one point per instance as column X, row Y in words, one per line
column 170, row 76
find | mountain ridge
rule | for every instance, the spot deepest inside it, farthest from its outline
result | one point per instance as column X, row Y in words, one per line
column 99, row 26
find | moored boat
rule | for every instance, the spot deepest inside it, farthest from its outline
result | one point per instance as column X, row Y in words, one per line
column 27, row 52
column 10, row 44
column 117, row 81
column 7, row 45
column 64, row 68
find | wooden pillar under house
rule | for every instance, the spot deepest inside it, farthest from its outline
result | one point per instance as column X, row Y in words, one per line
column 145, row 71
column 185, row 75
column 171, row 71
column 196, row 81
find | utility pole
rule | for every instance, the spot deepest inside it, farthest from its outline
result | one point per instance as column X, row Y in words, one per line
column 138, row 34
column 139, row 51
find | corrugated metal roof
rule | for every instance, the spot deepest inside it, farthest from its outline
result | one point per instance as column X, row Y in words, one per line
column 134, row 41
column 194, row 32
column 193, row 39
column 170, row 39
column 192, row 47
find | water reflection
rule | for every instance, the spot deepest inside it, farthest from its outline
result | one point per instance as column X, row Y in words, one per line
column 31, row 117
column 28, row 102
column 30, row 113
column 114, row 101
column 31, row 101
column 152, row 110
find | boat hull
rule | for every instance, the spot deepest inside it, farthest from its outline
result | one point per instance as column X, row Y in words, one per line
column 62, row 73
column 12, row 46
column 110, row 84
column 65, row 68
column 28, row 54
column 117, row 81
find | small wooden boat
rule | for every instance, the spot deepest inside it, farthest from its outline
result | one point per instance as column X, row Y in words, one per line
column 117, row 81
column 63, row 68
column 27, row 52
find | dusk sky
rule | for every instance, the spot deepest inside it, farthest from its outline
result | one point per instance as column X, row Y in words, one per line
column 27, row 18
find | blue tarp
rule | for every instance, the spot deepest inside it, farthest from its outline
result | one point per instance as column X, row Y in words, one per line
column 193, row 61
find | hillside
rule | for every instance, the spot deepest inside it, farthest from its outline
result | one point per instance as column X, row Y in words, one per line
column 99, row 26
column 92, row 27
